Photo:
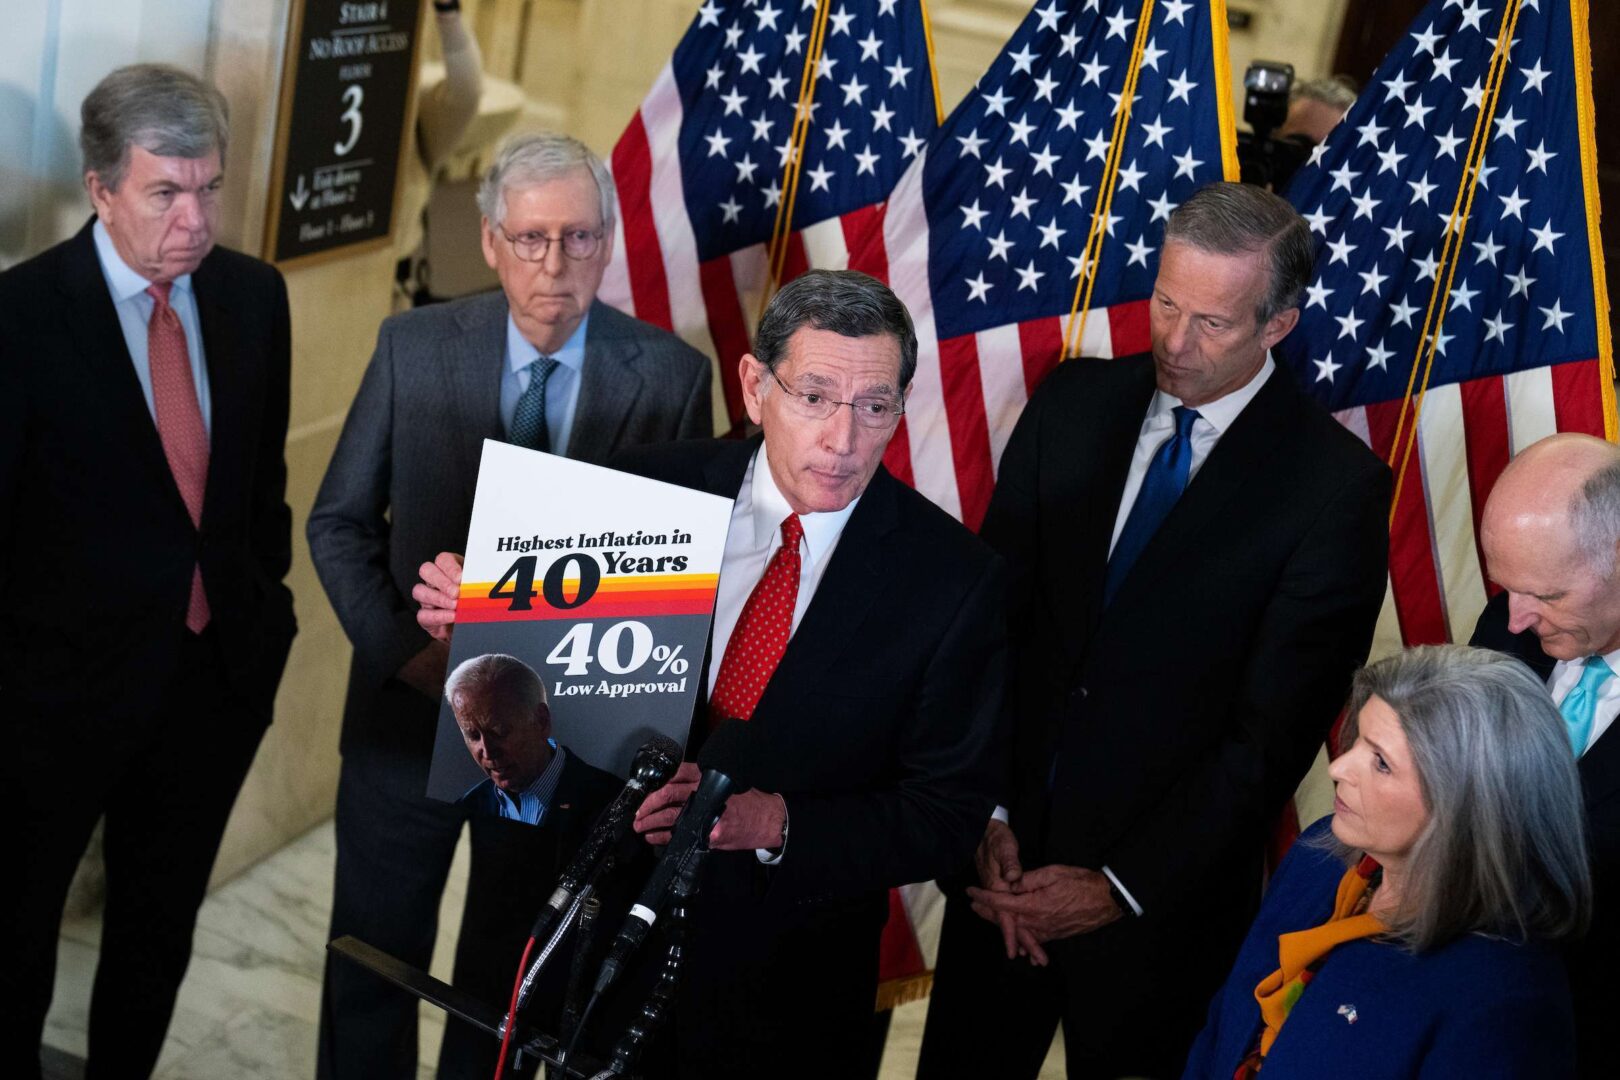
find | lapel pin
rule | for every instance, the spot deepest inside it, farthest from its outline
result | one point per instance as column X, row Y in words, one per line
column 1348, row 1012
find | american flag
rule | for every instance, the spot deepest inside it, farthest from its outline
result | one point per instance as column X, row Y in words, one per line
column 983, row 236
column 700, row 168
column 1523, row 349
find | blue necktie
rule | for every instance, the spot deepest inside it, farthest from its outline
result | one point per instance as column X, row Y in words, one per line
column 1580, row 704
column 529, row 418
column 1163, row 484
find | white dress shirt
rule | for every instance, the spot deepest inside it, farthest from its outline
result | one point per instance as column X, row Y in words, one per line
column 754, row 536
column 1214, row 417
column 1566, row 673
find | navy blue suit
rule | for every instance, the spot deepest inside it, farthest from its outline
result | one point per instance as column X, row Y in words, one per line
column 1475, row 1007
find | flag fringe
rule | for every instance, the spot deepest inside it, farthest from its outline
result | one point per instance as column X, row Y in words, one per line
column 902, row 991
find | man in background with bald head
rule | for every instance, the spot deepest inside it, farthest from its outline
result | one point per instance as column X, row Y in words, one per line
column 1551, row 535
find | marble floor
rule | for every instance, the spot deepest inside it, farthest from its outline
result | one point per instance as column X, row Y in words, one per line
column 251, row 1000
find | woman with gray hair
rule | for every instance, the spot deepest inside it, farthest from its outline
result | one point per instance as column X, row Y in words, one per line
column 1410, row 933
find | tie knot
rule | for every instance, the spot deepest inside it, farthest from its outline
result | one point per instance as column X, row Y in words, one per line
column 160, row 293
column 1185, row 419
column 792, row 531
column 541, row 366
column 1597, row 671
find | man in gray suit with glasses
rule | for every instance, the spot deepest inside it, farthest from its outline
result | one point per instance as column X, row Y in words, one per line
column 539, row 364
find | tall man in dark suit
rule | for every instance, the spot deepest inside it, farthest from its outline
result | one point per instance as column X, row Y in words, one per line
column 1551, row 536
column 540, row 364
column 146, row 535
column 1197, row 556
column 858, row 640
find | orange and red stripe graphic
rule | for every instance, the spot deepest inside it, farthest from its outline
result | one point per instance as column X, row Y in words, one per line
column 616, row 598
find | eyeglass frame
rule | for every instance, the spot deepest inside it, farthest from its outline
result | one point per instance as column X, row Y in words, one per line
column 596, row 234
column 899, row 407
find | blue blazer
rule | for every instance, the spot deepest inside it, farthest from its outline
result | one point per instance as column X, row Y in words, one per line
column 1476, row 1007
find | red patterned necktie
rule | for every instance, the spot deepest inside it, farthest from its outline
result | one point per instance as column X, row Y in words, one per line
column 179, row 424
column 761, row 634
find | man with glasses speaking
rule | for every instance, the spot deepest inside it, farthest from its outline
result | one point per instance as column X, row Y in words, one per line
column 856, row 665
column 540, row 364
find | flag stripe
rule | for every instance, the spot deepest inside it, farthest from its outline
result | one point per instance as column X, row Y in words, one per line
column 1040, row 341
column 632, row 176
column 725, row 316
column 1442, row 442
column 1002, row 386
column 1531, row 416
column 861, row 227
column 1484, row 403
column 965, row 416
column 1129, row 324
column 1578, row 397
column 1411, row 558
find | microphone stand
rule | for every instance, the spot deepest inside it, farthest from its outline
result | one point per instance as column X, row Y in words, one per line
column 573, row 999
column 653, row 1011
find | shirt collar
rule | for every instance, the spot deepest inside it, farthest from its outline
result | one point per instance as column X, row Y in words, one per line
column 1223, row 410
column 124, row 282
column 546, row 782
column 770, row 507
column 520, row 353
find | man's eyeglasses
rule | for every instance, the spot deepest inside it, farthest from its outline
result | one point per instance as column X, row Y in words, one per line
column 876, row 413
column 534, row 246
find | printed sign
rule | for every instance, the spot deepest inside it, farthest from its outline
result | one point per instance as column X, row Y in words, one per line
column 603, row 585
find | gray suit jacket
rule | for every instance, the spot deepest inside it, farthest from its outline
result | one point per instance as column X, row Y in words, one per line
column 400, row 486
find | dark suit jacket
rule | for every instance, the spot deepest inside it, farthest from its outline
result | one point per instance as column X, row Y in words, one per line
column 875, row 727
column 1592, row 963
column 400, row 486
column 1474, row 1007
column 1161, row 737
column 98, row 545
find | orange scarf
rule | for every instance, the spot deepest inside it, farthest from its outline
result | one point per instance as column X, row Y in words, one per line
column 1299, row 951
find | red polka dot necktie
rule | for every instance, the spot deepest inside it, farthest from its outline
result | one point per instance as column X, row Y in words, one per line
column 179, row 424
column 761, row 634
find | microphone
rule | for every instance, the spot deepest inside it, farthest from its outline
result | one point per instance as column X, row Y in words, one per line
column 653, row 765
column 690, row 834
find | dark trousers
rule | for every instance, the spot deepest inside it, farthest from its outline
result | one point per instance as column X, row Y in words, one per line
column 1127, row 1007
column 165, row 776
column 394, row 848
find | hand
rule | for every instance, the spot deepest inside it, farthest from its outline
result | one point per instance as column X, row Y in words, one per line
column 425, row 671
column 1051, row 902
column 753, row 819
column 998, row 866
column 658, row 811
column 437, row 593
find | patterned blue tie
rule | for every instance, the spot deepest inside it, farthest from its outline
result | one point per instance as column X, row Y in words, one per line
column 1580, row 704
column 1163, row 484
column 529, row 418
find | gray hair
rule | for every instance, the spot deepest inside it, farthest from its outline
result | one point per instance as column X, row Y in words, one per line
column 1504, row 849
column 162, row 109
column 530, row 160
column 1229, row 218
column 846, row 302
column 496, row 677
column 1594, row 518
column 1339, row 91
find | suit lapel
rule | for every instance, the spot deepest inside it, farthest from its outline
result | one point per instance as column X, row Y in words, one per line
column 229, row 384
column 107, row 364
column 1095, row 512
column 472, row 367
column 1238, row 459
column 609, row 386
column 852, row 582
column 1600, row 768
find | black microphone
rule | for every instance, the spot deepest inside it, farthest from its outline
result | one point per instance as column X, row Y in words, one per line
column 653, row 765
column 690, row 833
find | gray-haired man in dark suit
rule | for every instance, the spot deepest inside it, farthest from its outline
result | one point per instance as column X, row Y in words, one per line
column 539, row 364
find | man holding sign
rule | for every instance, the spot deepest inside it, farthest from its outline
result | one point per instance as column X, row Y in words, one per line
column 539, row 364
column 858, row 637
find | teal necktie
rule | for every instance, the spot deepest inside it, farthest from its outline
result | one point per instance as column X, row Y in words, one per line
column 1580, row 704
column 529, row 418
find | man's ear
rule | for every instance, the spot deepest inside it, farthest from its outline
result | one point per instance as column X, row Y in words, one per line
column 542, row 716
column 1279, row 326
column 486, row 240
column 751, row 375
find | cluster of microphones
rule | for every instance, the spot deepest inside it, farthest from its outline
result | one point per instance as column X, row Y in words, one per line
column 611, row 841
